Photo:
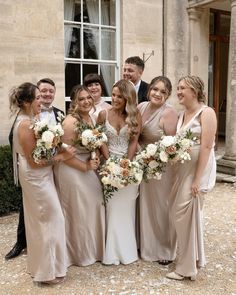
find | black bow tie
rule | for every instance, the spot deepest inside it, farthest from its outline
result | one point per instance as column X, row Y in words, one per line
column 45, row 109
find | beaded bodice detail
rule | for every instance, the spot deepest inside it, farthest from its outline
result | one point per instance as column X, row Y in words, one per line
column 117, row 142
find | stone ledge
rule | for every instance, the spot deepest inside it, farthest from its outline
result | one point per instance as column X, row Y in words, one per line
column 222, row 177
column 226, row 166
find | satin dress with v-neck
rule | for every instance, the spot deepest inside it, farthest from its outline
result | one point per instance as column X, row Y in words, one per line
column 81, row 200
column 121, row 246
column 157, row 234
column 187, row 210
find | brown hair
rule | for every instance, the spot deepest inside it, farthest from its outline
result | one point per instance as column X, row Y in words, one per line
column 21, row 94
column 166, row 82
column 73, row 109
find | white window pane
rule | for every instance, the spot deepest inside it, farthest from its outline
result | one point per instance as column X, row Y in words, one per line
column 72, row 41
column 108, row 44
column 92, row 11
column 108, row 12
column 91, row 43
column 108, row 74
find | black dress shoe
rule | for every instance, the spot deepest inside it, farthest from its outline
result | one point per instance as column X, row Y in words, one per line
column 15, row 251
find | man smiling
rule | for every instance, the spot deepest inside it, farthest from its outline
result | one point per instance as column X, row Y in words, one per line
column 133, row 70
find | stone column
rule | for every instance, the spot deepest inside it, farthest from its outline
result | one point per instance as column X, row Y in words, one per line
column 228, row 163
column 199, row 42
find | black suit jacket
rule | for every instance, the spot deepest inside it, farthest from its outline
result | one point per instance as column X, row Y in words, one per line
column 56, row 111
column 142, row 92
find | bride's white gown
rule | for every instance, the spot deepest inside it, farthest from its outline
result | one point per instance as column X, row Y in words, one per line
column 121, row 246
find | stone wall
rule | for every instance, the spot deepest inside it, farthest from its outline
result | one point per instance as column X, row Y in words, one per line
column 141, row 33
column 32, row 47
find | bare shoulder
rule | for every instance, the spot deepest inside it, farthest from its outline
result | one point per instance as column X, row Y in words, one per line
column 170, row 111
column 102, row 116
column 208, row 113
column 69, row 121
column 139, row 106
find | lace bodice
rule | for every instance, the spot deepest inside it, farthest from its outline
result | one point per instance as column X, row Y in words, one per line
column 117, row 142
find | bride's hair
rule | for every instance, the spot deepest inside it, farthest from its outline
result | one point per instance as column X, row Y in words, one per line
column 74, row 96
column 127, row 91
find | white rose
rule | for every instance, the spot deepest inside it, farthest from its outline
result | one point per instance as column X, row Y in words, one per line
column 167, row 141
column 151, row 149
column 163, row 156
column 105, row 180
column 153, row 164
column 48, row 137
column 186, row 143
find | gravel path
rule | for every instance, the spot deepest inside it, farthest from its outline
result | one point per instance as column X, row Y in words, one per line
column 219, row 277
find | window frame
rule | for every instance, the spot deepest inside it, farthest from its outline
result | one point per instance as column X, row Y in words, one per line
column 82, row 61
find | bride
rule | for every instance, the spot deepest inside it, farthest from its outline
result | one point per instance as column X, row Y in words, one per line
column 123, row 124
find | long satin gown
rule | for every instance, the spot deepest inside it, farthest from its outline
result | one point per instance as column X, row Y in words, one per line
column 157, row 233
column 44, row 220
column 187, row 210
column 121, row 245
column 81, row 199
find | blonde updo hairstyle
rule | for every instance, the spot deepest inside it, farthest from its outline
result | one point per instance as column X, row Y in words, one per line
column 18, row 96
column 127, row 92
column 197, row 85
column 74, row 96
column 165, row 81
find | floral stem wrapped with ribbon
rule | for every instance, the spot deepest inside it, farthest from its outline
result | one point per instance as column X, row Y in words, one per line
column 117, row 173
column 90, row 137
column 48, row 138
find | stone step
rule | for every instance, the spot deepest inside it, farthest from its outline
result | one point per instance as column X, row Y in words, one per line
column 222, row 177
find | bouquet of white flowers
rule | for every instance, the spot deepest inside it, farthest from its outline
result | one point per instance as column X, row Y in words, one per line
column 90, row 137
column 176, row 148
column 150, row 162
column 48, row 139
column 117, row 173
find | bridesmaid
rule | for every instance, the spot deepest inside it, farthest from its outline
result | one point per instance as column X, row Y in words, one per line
column 96, row 86
column 123, row 123
column 80, row 189
column 193, row 178
column 44, row 221
column 157, row 235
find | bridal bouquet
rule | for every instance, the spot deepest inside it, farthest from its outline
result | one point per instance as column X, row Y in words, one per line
column 117, row 173
column 48, row 138
column 150, row 162
column 90, row 137
column 176, row 148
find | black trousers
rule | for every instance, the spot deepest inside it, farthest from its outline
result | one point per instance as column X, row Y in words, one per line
column 21, row 237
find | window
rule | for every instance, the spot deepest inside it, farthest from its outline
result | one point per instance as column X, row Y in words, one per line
column 91, row 29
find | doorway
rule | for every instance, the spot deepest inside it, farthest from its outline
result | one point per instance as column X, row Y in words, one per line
column 218, row 66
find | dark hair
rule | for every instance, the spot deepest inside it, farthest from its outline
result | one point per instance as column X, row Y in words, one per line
column 94, row 78
column 21, row 94
column 135, row 60
column 46, row 80
column 166, row 82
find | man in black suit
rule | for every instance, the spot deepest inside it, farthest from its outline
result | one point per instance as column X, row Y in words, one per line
column 133, row 70
column 47, row 89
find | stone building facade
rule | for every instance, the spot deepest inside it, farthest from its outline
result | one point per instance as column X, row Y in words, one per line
column 174, row 37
